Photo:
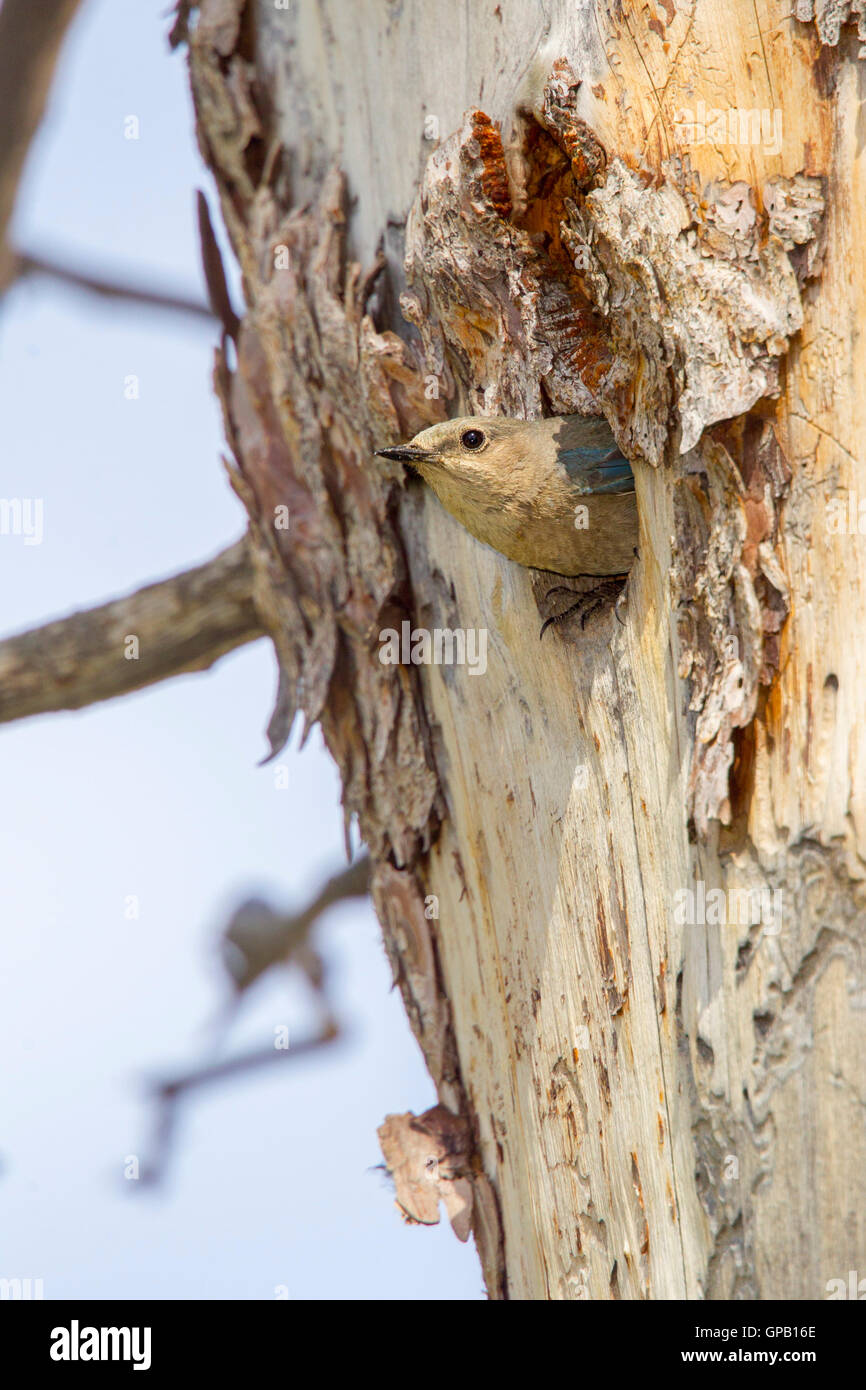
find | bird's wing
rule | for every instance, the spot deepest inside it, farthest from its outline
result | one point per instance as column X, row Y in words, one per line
column 597, row 470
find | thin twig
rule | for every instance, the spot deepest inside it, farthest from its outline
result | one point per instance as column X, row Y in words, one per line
column 242, row 1062
column 261, row 937
column 169, row 1093
column 24, row 263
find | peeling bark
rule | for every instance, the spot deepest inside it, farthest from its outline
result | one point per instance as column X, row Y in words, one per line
column 830, row 16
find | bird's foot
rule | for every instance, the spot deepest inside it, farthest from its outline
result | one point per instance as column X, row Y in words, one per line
column 602, row 594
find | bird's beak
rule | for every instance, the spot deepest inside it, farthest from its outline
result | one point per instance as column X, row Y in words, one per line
column 406, row 453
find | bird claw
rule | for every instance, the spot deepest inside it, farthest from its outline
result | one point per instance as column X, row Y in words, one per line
column 587, row 603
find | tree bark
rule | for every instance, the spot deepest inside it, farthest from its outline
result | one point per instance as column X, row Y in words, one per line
column 449, row 209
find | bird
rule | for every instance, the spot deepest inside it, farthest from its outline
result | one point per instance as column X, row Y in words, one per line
column 554, row 494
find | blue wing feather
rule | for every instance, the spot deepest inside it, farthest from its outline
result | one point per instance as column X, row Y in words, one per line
column 597, row 470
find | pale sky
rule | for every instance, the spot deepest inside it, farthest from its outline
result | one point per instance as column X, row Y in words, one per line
column 159, row 795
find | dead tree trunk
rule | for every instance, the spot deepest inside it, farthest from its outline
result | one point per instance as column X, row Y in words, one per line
column 620, row 873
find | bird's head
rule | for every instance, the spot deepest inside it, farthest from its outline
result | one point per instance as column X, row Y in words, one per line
column 460, row 448
column 516, row 484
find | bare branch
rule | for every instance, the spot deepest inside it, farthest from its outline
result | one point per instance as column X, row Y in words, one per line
column 258, row 937
column 23, row 263
column 30, row 38
column 168, row 1094
column 184, row 623
column 242, row 1062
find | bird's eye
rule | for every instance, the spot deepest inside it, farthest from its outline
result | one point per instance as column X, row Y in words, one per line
column 472, row 439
